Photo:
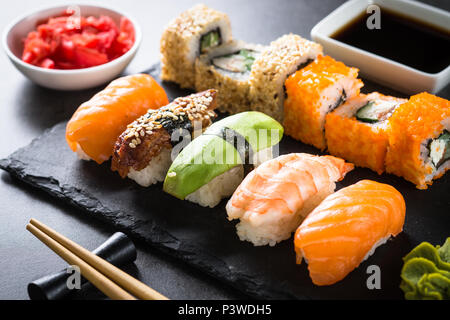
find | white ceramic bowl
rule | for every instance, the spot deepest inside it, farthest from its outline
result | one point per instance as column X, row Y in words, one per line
column 77, row 79
column 372, row 66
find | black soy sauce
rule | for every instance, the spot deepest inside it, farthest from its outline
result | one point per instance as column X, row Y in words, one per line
column 401, row 38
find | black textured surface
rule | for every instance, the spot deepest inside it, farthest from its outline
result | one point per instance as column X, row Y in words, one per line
column 204, row 238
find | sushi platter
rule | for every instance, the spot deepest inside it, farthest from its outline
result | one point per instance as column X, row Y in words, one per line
column 276, row 169
column 204, row 238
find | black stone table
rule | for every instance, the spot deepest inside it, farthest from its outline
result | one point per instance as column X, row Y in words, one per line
column 26, row 110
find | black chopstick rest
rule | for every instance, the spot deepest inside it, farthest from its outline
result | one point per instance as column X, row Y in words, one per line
column 117, row 250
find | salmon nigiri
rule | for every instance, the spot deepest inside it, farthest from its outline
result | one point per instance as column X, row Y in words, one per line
column 97, row 123
column 274, row 198
column 346, row 228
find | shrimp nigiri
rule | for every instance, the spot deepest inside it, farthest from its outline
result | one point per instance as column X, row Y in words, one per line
column 96, row 124
column 346, row 228
column 274, row 198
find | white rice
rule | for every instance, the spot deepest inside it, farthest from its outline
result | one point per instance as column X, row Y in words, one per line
column 375, row 246
column 426, row 159
column 81, row 154
column 155, row 171
column 301, row 254
column 225, row 184
column 194, row 40
column 271, row 227
column 262, row 156
column 218, row 188
column 331, row 95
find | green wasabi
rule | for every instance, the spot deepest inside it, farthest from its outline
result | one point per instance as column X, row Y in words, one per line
column 426, row 272
column 211, row 155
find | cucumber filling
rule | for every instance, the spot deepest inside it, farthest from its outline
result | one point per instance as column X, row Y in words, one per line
column 210, row 40
column 439, row 149
column 239, row 62
column 376, row 110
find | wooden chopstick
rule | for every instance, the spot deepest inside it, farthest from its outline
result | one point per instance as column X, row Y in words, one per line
column 104, row 284
column 122, row 279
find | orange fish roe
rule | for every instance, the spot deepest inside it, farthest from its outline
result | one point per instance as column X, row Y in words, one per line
column 363, row 144
column 309, row 98
column 423, row 117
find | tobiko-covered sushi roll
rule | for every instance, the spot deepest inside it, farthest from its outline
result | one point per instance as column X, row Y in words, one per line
column 313, row 92
column 143, row 151
column 356, row 131
column 96, row 124
column 227, row 68
column 419, row 140
column 274, row 198
column 193, row 32
column 214, row 164
column 346, row 228
column 280, row 59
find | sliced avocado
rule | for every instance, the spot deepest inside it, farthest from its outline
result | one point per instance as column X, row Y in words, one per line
column 208, row 156
column 375, row 111
column 210, row 40
column 440, row 149
column 247, row 124
column 202, row 160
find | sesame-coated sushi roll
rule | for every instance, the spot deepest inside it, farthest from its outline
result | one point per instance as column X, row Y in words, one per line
column 356, row 131
column 193, row 32
column 280, row 59
column 143, row 151
column 312, row 93
column 227, row 69
column 419, row 140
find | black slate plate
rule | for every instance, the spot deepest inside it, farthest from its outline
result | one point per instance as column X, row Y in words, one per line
column 204, row 237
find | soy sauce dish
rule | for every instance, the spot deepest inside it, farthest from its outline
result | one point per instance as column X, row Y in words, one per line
column 396, row 43
column 91, row 68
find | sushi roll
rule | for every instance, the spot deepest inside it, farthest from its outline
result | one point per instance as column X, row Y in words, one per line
column 346, row 228
column 274, row 198
column 214, row 164
column 97, row 123
column 193, row 32
column 312, row 93
column 419, row 140
column 356, row 131
column 280, row 59
column 227, row 68
column 143, row 151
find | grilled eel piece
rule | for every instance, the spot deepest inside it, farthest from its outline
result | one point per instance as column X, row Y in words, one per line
column 147, row 136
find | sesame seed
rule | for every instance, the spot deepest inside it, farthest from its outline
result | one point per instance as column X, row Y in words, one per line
column 193, row 107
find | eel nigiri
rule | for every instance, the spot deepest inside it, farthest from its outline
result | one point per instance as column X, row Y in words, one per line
column 96, row 124
column 143, row 151
column 346, row 228
column 274, row 198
